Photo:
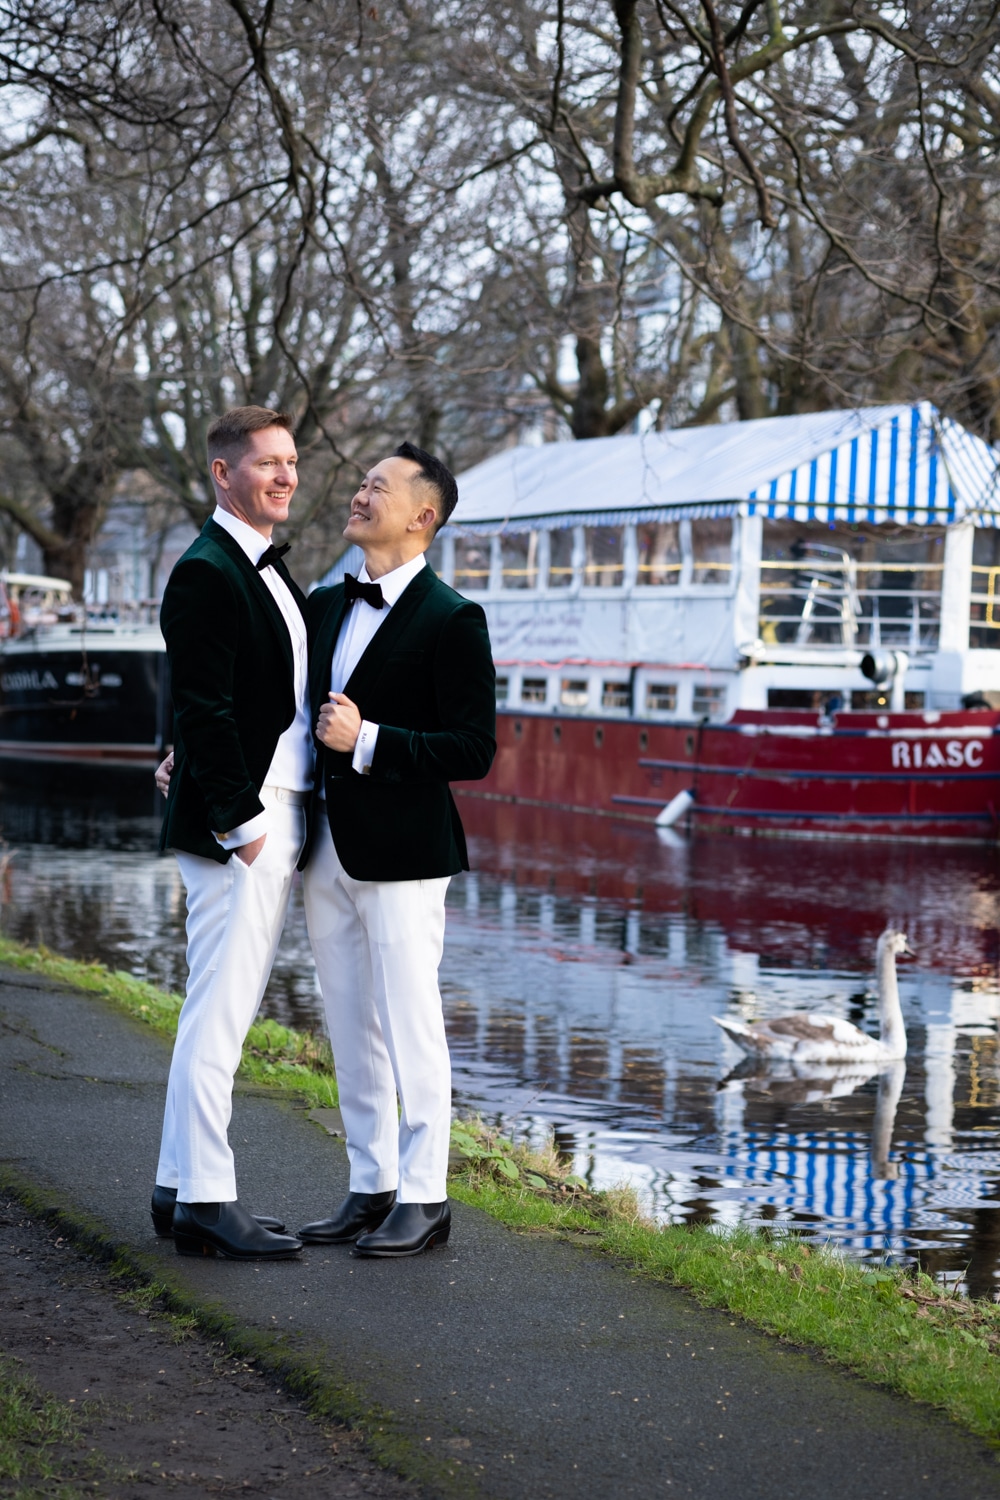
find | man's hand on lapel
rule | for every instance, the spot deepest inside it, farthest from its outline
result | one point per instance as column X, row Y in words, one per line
column 163, row 773
column 339, row 724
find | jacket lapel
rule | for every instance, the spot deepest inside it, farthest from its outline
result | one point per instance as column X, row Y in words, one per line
column 383, row 641
column 258, row 588
column 322, row 647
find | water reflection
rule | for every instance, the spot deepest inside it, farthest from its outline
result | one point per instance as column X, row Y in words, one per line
column 613, row 949
column 583, row 963
column 83, row 878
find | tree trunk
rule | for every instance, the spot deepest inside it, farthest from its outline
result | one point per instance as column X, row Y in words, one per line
column 589, row 416
column 747, row 377
column 78, row 510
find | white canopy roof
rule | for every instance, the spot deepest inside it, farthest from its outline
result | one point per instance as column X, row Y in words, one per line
column 879, row 463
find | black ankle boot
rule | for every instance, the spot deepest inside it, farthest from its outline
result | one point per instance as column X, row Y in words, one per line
column 358, row 1213
column 162, row 1211
column 410, row 1229
column 227, row 1229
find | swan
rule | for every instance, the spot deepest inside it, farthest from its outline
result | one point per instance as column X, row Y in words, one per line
column 809, row 1036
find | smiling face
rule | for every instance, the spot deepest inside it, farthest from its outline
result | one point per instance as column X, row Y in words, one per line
column 258, row 486
column 393, row 515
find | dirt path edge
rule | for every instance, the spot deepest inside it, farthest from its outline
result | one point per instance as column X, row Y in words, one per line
column 306, row 1376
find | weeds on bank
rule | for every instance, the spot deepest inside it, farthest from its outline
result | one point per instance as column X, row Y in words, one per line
column 890, row 1325
column 275, row 1054
column 148, row 1300
column 486, row 1163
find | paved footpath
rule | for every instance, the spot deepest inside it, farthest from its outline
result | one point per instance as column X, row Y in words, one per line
column 543, row 1368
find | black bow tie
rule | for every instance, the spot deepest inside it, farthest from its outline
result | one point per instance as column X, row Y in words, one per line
column 371, row 593
column 270, row 555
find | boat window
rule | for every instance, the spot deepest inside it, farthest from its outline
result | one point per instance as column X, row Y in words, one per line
column 869, row 699
column 659, row 547
column 661, row 697
column 435, row 554
column 712, row 550
column 519, row 561
column 708, row 702
column 605, row 554
column 914, row 700
column 616, row 695
column 822, row 700
column 816, row 701
column 851, row 584
column 575, row 692
column 472, row 563
column 502, row 689
column 984, row 614
column 534, row 689
column 561, row 559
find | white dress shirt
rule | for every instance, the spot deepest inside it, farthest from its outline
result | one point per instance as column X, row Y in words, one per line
column 356, row 634
column 292, row 765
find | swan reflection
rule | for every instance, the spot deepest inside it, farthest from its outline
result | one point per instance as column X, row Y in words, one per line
column 792, row 1083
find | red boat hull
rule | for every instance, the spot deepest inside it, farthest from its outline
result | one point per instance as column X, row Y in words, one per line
column 861, row 775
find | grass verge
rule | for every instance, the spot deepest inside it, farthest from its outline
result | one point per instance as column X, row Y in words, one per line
column 273, row 1055
column 891, row 1326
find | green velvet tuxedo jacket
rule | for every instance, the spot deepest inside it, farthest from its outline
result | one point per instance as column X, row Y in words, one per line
column 232, row 678
column 426, row 679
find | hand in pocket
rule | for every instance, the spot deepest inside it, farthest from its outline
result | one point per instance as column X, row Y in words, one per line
column 249, row 852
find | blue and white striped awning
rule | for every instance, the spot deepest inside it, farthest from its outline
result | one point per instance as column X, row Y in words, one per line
column 914, row 467
column 900, row 464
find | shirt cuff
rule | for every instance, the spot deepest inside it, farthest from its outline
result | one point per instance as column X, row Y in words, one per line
column 364, row 750
column 244, row 834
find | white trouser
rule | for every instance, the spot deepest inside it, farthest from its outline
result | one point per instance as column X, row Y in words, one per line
column 235, row 913
column 377, row 946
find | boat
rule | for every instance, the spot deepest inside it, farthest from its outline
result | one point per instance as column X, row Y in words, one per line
column 783, row 626
column 77, row 689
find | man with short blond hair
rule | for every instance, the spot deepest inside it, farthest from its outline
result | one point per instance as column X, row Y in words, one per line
column 236, row 808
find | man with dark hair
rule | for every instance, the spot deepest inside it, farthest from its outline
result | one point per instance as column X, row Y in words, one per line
column 432, row 471
column 237, row 789
column 402, row 689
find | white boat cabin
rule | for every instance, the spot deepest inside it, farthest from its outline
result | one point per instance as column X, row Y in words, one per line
column 686, row 574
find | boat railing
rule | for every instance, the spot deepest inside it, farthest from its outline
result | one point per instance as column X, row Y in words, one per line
column 983, row 600
column 837, row 600
column 35, row 623
column 125, row 612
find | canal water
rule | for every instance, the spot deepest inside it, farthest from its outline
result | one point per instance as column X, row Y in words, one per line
column 584, row 962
